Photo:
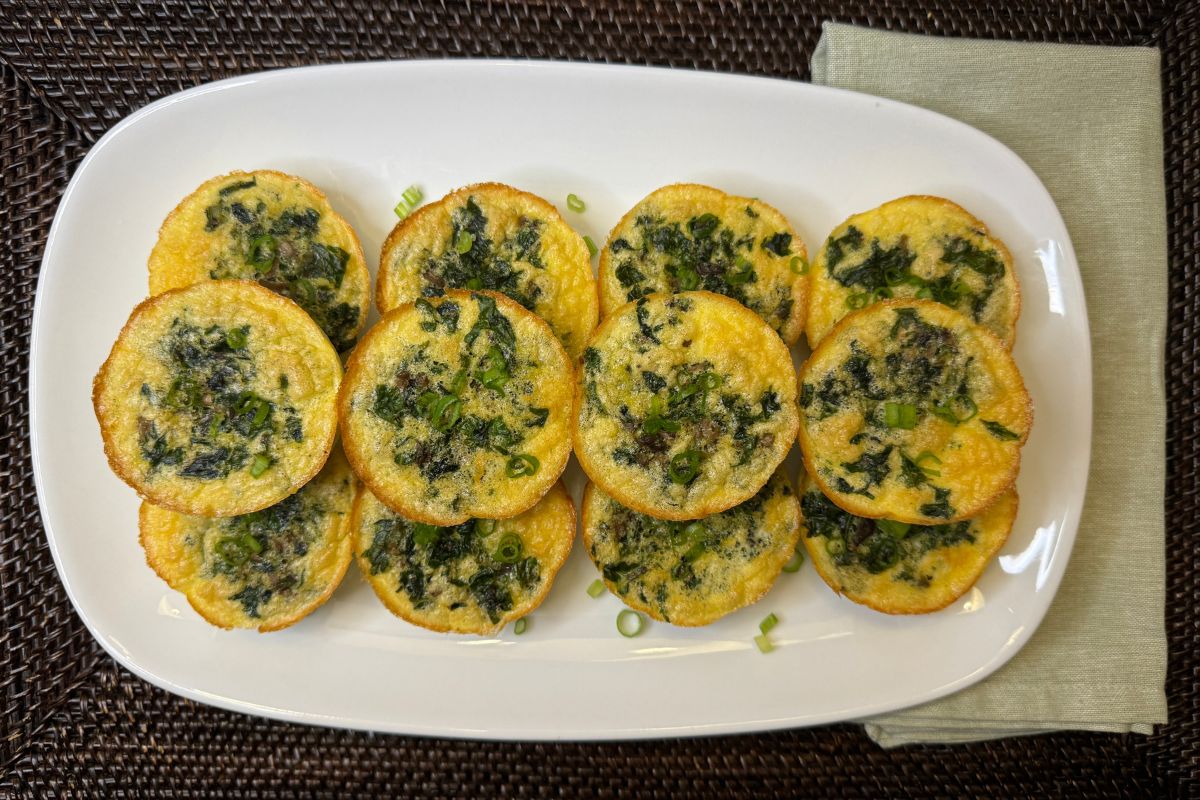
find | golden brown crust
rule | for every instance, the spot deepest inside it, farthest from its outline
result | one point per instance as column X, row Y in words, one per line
column 123, row 468
column 791, row 330
column 859, row 508
column 815, row 337
column 548, row 473
column 406, row 612
column 385, row 299
column 631, row 499
column 159, row 283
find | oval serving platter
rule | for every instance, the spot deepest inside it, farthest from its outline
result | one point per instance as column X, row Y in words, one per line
column 365, row 132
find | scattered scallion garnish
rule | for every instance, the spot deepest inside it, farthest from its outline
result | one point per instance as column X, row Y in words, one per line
column 519, row 626
column 411, row 198
column 259, row 465
column 630, row 623
column 893, row 528
column 596, row 589
column 575, row 204
column 764, row 644
column 900, row 415
column 928, row 456
column 521, row 465
column 769, row 622
column 794, row 563
column 464, row 242
column 799, row 265
column 591, row 246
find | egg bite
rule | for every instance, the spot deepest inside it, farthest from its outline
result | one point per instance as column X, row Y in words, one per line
column 687, row 404
column 265, row 570
column 492, row 236
column 693, row 573
column 914, row 247
column 912, row 412
column 458, row 406
column 473, row 577
column 218, row 399
column 895, row 567
column 687, row 236
column 273, row 228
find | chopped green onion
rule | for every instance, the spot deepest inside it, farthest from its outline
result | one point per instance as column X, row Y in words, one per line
column 893, row 528
column 259, row 465
column 799, row 265
column 237, row 550
column 709, row 381
column 629, row 623
column 464, row 242
column 655, row 421
column 684, row 467
column 251, row 544
column 900, row 415
column 591, row 246
column 928, row 456
column 508, row 550
column 521, row 465
column 575, row 204
column 596, row 589
column 262, row 252
column 484, row 527
column 740, row 272
column 763, row 643
column 881, row 294
column 235, row 338
column 474, row 283
column 411, row 198
column 857, row 301
column 458, row 382
column 444, row 412
column 493, row 370
column 794, row 563
column 688, row 278
column 945, row 411
column 924, row 293
column 261, row 410
column 835, row 547
column 519, row 626
column 769, row 622
column 424, row 534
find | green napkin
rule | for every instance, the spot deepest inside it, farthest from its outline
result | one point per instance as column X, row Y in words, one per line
column 1088, row 120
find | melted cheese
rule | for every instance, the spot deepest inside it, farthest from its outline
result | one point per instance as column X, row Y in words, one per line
column 687, row 405
column 516, row 243
column 187, row 419
column 918, row 246
column 263, row 226
column 427, row 434
column 469, row 578
column 967, row 410
column 687, row 236
column 298, row 556
column 904, row 570
column 693, row 573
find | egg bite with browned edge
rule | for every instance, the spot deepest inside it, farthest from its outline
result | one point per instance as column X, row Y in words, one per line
column 473, row 577
column 458, row 406
column 492, row 236
column 276, row 229
column 218, row 399
column 687, row 404
column 693, row 573
column 918, row 247
column 898, row 568
column 687, row 236
column 912, row 412
column 265, row 570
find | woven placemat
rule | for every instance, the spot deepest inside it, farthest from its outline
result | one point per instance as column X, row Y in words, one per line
column 72, row 723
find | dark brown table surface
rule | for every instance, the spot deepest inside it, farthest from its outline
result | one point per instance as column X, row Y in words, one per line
column 72, row 723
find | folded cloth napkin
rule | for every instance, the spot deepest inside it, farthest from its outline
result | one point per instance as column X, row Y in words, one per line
column 1088, row 120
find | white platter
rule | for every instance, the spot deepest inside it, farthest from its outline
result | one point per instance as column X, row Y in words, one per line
column 609, row 134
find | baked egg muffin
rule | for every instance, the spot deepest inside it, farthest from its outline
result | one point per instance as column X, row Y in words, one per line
column 458, row 406
column 473, row 577
column 693, row 573
column 273, row 228
column 218, row 399
column 898, row 568
column 912, row 412
column 920, row 247
column 687, row 404
column 265, row 570
column 687, row 236
column 492, row 236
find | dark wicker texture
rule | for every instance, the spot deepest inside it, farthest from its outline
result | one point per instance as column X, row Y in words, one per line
column 73, row 724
